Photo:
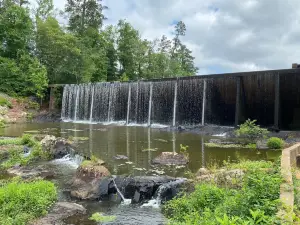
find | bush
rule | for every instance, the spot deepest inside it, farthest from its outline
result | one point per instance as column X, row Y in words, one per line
column 22, row 202
column 256, row 202
column 99, row 217
column 275, row 143
column 27, row 139
column 5, row 102
column 250, row 130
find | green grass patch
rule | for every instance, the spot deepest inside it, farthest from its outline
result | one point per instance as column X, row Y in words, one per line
column 11, row 141
column 238, row 146
column 256, row 202
column 5, row 102
column 100, row 218
column 22, row 202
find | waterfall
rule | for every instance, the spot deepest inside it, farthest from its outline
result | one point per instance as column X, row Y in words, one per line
column 64, row 103
column 175, row 104
column 92, row 104
column 76, row 103
column 150, row 104
column 126, row 201
column 170, row 102
column 128, row 104
column 111, row 91
column 204, row 103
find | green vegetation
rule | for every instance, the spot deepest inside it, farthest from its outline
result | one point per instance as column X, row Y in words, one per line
column 21, row 202
column 11, row 141
column 275, row 143
column 250, row 130
column 5, row 102
column 100, row 218
column 2, row 125
column 16, row 155
column 255, row 202
column 216, row 145
column 37, row 49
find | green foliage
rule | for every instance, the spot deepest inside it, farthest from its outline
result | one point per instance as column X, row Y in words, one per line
column 5, row 102
column 100, row 218
column 216, row 145
column 2, row 125
column 21, row 202
column 275, row 143
column 249, row 129
column 255, row 202
column 11, row 141
column 28, row 140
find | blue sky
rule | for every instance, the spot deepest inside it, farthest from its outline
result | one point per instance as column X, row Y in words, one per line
column 224, row 35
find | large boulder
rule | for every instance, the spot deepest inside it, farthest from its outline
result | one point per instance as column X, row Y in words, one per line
column 87, row 182
column 27, row 173
column 171, row 158
column 56, row 147
column 60, row 212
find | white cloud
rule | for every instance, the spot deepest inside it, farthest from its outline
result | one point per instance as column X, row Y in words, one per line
column 225, row 35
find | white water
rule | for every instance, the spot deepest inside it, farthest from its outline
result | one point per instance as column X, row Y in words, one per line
column 111, row 90
column 175, row 104
column 204, row 102
column 76, row 103
column 128, row 104
column 70, row 161
column 150, row 104
column 92, row 104
column 125, row 201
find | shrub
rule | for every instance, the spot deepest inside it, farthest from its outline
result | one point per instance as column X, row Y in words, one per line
column 256, row 202
column 250, row 130
column 21, row 202
column 5, row 102
column 275, row 143
column 27, row 139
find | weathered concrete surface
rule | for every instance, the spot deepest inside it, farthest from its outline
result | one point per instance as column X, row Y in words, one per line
column 288, row 161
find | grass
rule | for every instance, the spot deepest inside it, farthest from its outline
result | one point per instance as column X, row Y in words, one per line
column 5, row 102
column 100, row 218
column 22, row 202
column 215, row 145
column 16, row 155
column 255, row 202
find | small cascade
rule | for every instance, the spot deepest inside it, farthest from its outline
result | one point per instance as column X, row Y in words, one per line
column 111, row 92
column 76, row 103
column 150, row 104
column 125, row 201
column 92, row 104
column 175, row 104
column 70, row 159
column 128, row 104
column 64, row 103
column 204, row 102
column 161, row 193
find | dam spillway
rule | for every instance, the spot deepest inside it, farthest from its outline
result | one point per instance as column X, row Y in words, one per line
column 270, row 97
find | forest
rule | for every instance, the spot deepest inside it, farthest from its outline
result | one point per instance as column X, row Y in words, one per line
column 37, row 48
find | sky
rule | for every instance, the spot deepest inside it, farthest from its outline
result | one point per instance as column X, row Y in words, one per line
column 224, row 35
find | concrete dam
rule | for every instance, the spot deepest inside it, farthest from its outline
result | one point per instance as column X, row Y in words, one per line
column 271, row 97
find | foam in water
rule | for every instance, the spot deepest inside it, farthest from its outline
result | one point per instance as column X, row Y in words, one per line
column 72, row 161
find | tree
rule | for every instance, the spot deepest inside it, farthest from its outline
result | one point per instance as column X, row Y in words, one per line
column 16, row 30
column 84, row 14
column 45, row 9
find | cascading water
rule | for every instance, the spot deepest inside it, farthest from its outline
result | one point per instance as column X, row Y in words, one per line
column 169, row 102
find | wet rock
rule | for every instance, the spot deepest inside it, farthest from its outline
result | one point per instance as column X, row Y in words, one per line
column 261, row 144
column 90, row 181
column 170, row 158
column 224, row 177
column 57, row 147
column 202, row 171
column 120, row 157
column 60, row 212
column 31, row 173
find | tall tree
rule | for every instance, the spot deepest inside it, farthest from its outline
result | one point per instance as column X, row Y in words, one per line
column 45, row 9
column 84, row 14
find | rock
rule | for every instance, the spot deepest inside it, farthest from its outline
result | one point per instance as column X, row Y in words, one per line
column 30, row 173
column 119, row 157
column 170, row 158
column 90, row 181
column 221, row 177
column 60, row 212
column 261, row 144
column 57, row 147
column 202, row 171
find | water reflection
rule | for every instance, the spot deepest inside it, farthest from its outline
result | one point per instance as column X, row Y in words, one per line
column 139, row 144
